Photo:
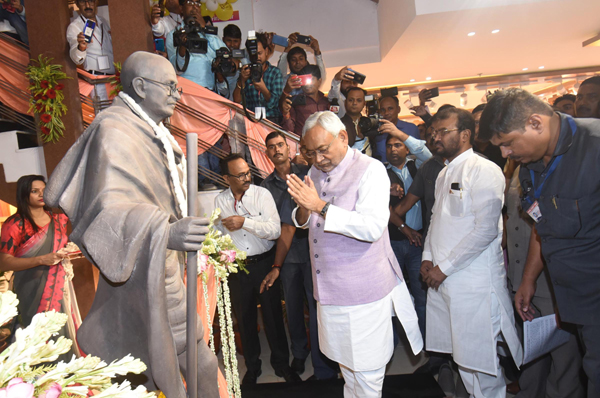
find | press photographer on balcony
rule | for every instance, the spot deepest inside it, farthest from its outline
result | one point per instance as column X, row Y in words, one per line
column 192, row 47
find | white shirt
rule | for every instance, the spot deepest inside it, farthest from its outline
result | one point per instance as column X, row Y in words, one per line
column 100, row 45
column 466, row 220
column 336, row 92
column 166, row 24
column 261, row 225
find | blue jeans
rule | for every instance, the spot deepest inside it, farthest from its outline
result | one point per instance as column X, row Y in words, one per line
column 17, row 23
column 296, row 279
column 209, row 161
column 409, row 258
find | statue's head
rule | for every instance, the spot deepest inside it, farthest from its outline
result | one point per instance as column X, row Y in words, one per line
column 151, row 81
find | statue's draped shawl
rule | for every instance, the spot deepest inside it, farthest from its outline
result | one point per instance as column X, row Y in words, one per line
column 115, row 187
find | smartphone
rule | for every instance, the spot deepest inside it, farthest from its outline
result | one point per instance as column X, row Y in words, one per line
column 305, row 79
column 303, row 39
column 161, row 4
column 433, row 92
column 88, row 30
column 358, row 77
column 389, row 92
column 159, row 44
column 280, row 40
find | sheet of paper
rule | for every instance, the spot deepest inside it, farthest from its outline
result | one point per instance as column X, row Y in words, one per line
column 541, row 336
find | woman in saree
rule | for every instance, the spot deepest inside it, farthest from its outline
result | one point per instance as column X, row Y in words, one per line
column 30, row 242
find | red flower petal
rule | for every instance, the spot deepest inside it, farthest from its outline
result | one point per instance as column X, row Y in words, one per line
column 60, row 86
column 51, row 94
column 44, row 83
column 44, row 98
column 45, row 130
column 45, row 118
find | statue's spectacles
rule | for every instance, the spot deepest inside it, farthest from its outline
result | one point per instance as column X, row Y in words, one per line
column 172, row 87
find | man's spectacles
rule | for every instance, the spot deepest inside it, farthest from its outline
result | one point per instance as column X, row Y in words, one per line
column 87, row 1
column 441, row 132
column 193, row 3
column 320, row 151
column 242, row 177
column 172, row 87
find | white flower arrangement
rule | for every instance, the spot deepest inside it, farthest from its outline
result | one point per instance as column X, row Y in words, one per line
column 219, row 251
column 22, row 376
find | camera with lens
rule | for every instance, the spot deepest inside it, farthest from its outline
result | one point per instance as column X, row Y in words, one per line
column 256, row 69
column 369, row 125
column 224, row 62
column 191, row 31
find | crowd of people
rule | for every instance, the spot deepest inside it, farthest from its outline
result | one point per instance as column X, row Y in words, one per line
column 449, row 234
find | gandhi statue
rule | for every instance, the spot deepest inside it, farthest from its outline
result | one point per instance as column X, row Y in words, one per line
column 122, row 186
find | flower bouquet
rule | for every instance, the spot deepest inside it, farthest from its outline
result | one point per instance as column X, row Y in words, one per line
column 219, row 251
column 24, row 375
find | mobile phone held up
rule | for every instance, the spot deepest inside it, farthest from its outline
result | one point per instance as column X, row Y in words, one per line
column 305, row 79
column 280, row 41
column 358, row 77
column 159, row 44
column 303, row 39
column 88, row 30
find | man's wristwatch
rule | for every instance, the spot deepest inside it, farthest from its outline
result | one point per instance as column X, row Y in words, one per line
column 401, row 227
column 324, row 209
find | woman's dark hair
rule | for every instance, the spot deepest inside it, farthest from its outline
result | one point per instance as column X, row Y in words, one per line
column 24, row 185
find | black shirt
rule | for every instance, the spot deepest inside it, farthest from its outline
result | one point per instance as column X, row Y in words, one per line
column 423, row 187
column 570, row 223
column 298, row 252
column 493, row 153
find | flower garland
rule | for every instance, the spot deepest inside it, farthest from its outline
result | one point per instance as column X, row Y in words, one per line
column 23, row 376
column 165, row 137
column 47, row 97
column 219, row 251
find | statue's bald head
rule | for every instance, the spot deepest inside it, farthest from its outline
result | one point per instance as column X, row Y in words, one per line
column 151, row 80
column 143, row 64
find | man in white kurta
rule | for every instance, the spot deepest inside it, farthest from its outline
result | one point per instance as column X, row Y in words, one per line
column 357, row 281
column 468, row 304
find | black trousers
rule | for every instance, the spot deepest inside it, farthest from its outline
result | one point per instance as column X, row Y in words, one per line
column 590, row 339
column 244, row 298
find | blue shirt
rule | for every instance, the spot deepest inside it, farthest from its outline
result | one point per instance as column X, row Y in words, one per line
column 199, row 68
column 405, row 127
column 413, row 217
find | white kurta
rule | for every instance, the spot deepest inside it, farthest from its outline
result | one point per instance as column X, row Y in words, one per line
column 360, row 337
column 464, row 240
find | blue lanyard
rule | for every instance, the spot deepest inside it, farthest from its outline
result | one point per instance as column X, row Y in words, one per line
column 538, row 191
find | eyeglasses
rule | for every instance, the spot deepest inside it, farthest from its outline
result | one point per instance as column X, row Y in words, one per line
column 441, row 132
column 242, row 177
column 172, row 87
column 87, row 1
column 313, row 154
column 193, row 3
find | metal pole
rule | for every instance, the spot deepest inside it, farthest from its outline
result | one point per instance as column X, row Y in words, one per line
column 192, row 270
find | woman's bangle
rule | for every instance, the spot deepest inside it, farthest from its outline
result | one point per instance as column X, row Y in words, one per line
column 276, row 266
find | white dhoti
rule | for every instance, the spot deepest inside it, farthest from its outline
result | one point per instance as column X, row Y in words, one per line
column 361, row 338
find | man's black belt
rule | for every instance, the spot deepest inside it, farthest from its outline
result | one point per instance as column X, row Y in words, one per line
column 95, row 72
column 260, row 257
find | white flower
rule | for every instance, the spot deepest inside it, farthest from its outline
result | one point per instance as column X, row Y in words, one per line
column 8, row 306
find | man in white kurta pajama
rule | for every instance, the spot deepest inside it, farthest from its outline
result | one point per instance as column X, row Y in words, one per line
column 468, row 304
column 356, row 278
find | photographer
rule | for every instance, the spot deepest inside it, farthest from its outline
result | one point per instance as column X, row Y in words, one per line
column 340, row 84
column 13, row 11
column 389, row 109
column 296, row 109
column 265, row 92
column 194, row 64
column 226, row 81
column 296, row 59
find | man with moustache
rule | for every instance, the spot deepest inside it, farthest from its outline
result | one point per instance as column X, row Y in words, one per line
column 468, row 303
column 292, row 262
column 389, row 109
column 588, row 98
column 354, row 104
column 341, row 83
column 249, row 215
column 95, row 57
column 565, row 104
column 357, row 282
column 561, row 192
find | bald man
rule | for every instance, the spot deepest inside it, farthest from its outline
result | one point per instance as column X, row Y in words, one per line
column 122, row 186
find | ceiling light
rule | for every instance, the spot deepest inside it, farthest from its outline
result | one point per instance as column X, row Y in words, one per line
column 525, row 68
column 471, row 34
column 412, row 80
column 428, row 78
column 593, row 42
column 463, row 99
column 541, row 67
column 495, row 30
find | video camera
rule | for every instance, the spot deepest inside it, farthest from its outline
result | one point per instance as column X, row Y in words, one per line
column 193, row 42
column 224, row 61
column 369, row 126
column 256, row 69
